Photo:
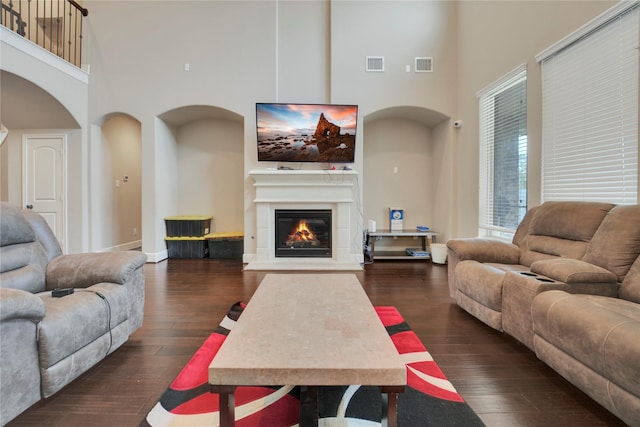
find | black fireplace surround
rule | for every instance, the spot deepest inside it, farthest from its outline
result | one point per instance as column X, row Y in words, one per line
column 303, row 233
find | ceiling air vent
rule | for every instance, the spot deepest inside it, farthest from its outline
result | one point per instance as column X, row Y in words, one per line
column 375, row 64
column 424, row 64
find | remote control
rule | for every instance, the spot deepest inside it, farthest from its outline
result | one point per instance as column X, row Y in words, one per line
column 61, row 292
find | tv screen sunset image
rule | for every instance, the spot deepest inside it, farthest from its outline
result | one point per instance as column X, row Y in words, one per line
column 321, row 133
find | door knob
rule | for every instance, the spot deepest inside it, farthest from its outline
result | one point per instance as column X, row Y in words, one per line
column 29, row 206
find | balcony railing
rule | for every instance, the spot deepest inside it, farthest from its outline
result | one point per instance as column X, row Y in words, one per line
column 55, row 25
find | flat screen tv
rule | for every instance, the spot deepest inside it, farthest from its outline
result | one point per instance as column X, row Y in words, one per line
column 323, row 133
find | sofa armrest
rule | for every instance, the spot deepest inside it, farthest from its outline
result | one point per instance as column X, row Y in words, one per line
column 573, row 271
column 19, row 304
column 484, row 250
column 87, row 269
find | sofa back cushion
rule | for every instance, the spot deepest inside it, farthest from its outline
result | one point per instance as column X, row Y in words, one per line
column 44, row 234
column 630, row 288
column 22, row 259
column 522, row 232
column 616, row 244
column 562, row 229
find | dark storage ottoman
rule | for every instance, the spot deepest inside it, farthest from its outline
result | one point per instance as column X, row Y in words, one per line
column 226, row 245
column 188, row 226
column 187, row 247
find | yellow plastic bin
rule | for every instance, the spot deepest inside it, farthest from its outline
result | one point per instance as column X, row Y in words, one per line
column 187, row 247
column 188, row 225
column 225, row 245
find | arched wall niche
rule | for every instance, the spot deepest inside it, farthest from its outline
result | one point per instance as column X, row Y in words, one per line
column 25, row 105
column 406, row 151
column 116, row 182
column 206, row 163
column 27, row 108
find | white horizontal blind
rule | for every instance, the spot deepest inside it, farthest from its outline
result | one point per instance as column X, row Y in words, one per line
column 503, row 154
column 590, row 116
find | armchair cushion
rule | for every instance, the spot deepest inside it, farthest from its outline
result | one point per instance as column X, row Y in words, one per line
column 14, row 228
column 600, row 332
column 572, row 271
column 616, row 244
column 558, row 219
column 19, row 304
column 44, row 234
column 80, row 318
column 484, row 250
column 87, row 269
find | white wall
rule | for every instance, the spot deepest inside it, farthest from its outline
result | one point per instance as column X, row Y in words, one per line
column 303, row 55
column 399, row 31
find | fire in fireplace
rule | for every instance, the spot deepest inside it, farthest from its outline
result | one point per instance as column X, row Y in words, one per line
column 303, row 233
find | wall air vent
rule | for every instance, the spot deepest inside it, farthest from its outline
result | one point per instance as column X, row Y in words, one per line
column 375, row 64
column 424, row 64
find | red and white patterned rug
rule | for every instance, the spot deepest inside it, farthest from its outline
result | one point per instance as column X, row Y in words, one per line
column 429, row 399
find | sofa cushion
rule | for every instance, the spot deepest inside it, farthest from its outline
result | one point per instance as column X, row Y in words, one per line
column 484, row 250
column 44, row 234
column 573, row 271
column 560, row 219
column 14, row 228
column 81, row 270
column 75, row 320
column 600, row 332
column 548, row 247
column 616, row 244
column 481, row 283
column 554, row 230
column 522, row 232
column 22, row 258
column 630, row 287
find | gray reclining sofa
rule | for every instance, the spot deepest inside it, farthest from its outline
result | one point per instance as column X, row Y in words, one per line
column 46, row 342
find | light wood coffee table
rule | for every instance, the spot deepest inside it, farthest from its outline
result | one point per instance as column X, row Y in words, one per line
column 308, row 330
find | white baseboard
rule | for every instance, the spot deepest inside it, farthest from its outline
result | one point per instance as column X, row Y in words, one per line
column 135, row 244
column 154, row 257
column 157, row 256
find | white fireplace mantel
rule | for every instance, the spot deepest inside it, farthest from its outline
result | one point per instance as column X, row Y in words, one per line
column 337, row 190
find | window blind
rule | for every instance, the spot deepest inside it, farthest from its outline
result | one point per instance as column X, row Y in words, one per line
column 590, row 116
column 503, row 154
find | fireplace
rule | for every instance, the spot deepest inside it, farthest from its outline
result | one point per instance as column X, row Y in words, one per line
column 303, row 233
column 334, row 191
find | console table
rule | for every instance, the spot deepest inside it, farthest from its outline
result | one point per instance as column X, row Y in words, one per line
column 425, row 237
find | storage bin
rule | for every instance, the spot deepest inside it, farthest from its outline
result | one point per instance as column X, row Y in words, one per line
column 439, row 253
column 225, row 245
column 188, row 225
column 187, row 247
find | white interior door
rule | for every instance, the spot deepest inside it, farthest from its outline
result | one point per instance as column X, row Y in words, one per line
column 44, row 183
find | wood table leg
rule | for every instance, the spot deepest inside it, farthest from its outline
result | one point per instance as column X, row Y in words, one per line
column 227, row 400
column 390, row 419
column 308, row 406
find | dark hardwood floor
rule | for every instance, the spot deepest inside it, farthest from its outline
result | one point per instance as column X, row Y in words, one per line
column 502, row 380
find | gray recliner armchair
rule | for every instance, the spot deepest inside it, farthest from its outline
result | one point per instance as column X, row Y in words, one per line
column 45, row 341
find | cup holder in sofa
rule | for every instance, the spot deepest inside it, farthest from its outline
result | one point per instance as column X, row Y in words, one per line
column 535, row 276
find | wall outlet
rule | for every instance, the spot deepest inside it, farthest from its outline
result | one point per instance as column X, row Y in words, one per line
column 135, row 231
